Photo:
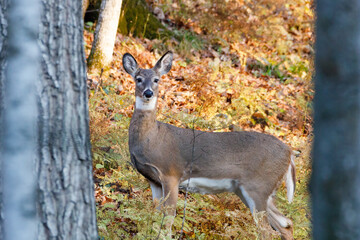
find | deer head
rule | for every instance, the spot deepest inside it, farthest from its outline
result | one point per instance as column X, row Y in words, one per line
column 147, row 80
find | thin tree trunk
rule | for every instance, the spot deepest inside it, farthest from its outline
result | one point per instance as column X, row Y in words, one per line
column 105, row 34
column 336, row 167
column 85, row 5
column 3, row 43
column 64, row 166
column 19, row 121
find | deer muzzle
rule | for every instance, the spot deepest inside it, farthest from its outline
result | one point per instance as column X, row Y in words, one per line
column 148, row 94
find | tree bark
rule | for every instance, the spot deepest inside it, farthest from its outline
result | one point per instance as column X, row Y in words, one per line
column 65, row 201
column 64, row 166
column 3, row 43
column 105, row 35
column 336, row 167
column 19, row 121
column 85, row 5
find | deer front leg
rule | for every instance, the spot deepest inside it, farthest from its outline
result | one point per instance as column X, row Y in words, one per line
column 170, row 187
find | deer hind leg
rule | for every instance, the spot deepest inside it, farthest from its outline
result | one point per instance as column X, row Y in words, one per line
column 252, row 198
column 256, row 202
column 278, row 221
column 246, row 199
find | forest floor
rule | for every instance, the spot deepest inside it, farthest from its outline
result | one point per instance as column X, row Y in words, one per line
column 248, row 70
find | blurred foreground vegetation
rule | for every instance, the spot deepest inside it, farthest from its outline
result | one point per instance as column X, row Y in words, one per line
column 239, row 65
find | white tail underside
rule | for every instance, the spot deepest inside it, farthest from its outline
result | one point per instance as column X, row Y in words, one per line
column 290, row 185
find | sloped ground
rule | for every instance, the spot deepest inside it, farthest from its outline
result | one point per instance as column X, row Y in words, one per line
column 239, row 65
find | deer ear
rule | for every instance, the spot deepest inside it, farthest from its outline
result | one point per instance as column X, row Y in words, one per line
column 163, row 66
column 130, row 64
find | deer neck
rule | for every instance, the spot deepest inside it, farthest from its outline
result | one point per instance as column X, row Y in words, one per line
column 143, row 120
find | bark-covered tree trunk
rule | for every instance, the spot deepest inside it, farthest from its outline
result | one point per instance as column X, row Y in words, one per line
column 336, row 154
column 64, row 166
column 66, row 205
column 3, row 43
column 19, row 121
column 85, row 5
column 105, row 34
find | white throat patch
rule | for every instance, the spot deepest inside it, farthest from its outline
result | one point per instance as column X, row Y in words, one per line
column 140, row 104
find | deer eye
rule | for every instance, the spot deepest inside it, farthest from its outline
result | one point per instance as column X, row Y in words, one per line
column 156, row 80
column 139, row 80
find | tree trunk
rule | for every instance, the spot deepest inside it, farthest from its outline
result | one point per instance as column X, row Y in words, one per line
column 3, row 43
column 105, row 34
column 64, row 166
column 19, row 121
column 336, row 167
column 85, row 5
column 65, row 201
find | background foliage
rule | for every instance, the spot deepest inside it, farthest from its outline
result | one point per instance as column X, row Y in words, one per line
column 239, row 65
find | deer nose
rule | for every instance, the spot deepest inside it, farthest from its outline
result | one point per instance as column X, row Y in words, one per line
column 148, row 93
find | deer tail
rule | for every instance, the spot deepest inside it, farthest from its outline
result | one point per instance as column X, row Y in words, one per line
column 291, row 179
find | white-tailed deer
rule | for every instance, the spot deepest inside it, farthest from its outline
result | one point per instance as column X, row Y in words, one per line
column 250, row 164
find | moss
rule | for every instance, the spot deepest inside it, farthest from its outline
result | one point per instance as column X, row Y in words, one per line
column 96, row 62
column 137, row 20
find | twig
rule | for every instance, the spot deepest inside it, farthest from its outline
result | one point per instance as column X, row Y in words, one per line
column 93, row 10
column 100, row 81
column 161, row 224
column 190, row 172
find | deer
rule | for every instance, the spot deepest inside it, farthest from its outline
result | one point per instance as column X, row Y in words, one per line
column 250, row 164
